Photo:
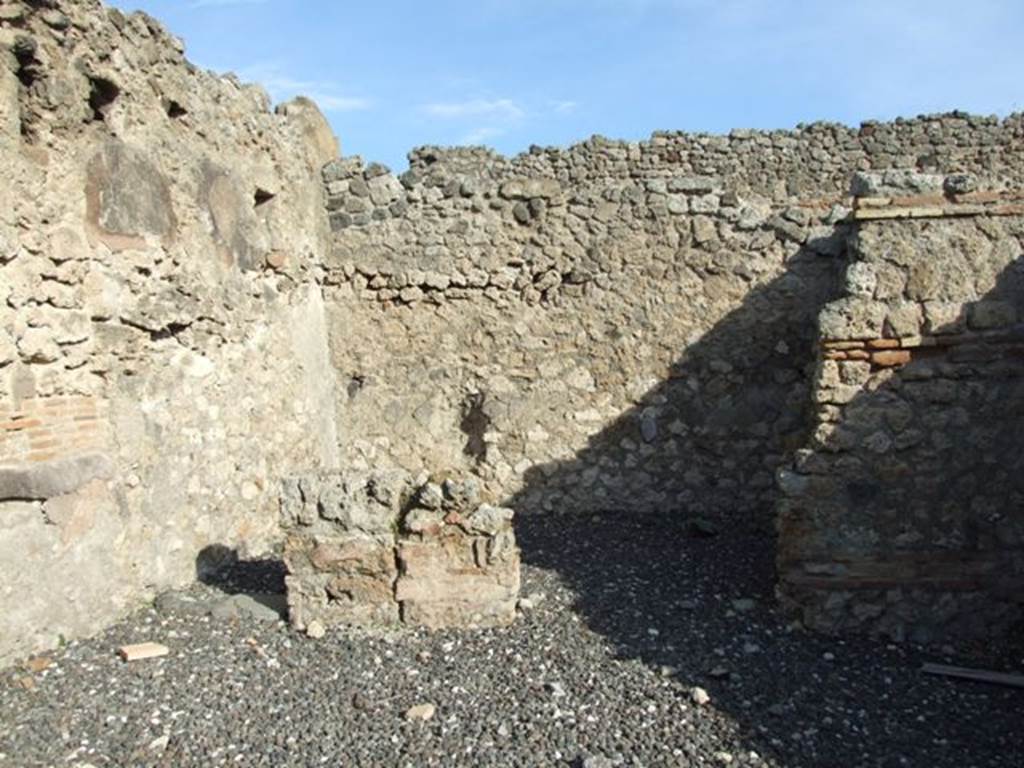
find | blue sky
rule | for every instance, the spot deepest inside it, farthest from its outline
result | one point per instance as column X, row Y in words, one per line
column 394, row 74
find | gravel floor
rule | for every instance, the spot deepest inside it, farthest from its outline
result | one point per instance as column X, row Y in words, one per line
column 628, row 618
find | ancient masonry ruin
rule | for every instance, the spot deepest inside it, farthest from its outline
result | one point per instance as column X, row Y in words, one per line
column 216, row 333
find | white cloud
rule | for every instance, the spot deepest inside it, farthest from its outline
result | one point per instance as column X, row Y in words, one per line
column 484, row 120
column 221, row 3
column 333, row 103
column 481, row 135
column 282, row 87
column 505, row 109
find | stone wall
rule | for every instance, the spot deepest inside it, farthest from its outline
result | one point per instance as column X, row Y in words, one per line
column 378, row 548
column 902, row 516
column 193, row 307
column 162, row 332
column 625, row 326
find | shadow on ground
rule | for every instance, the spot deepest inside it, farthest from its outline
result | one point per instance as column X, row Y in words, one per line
column 220, row 567
column 699, row 608
column 686, row 587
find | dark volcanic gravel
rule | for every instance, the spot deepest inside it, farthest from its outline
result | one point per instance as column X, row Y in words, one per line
column 629, row 618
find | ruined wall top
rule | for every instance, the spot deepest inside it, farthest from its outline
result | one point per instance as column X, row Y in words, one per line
column 812, row 160
column 450, row 203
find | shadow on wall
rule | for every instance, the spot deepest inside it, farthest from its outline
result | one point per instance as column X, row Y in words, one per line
column 659, row 585
column 911, row 522
column 692, row 599
column 688, row 589
column 219, row 566
column 706, row 441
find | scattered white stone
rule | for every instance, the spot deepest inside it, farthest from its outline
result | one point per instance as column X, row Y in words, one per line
column 556, row 689
column 699, row 696
column 316, row 630
column 421, row 712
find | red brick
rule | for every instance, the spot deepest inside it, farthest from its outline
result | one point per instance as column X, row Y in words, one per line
column 889, row 358
column 884, row 343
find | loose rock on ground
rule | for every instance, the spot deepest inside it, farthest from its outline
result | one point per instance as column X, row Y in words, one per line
column 239, row 691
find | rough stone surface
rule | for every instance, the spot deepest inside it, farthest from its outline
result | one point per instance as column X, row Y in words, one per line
column 188, row 290
column 156, row 377
column 901, row 515
column 49, row 479
column 376, row 548
column 615, row 325
column 262, row 694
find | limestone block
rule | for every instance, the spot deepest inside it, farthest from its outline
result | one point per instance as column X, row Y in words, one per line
column 37, row 345
column 851, row 318
column 861, row 279
column 695, row 184
column 367, row 503
column 529, row 188
column 904, row 320
column 898, row 182
column 941, row 317
column 704, row 230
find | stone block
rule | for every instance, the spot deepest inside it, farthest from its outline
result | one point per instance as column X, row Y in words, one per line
column 986, row 315
column 457, row 580
column 9, row 111
column 895, row 182
column 374, row 547
column 47, row 479
column 354, row 555
column 695, row 184
column 943, row 318
column 310, row 123
column 440, row 614
column 527, row 189
column 852, row 318
column 890, row 357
